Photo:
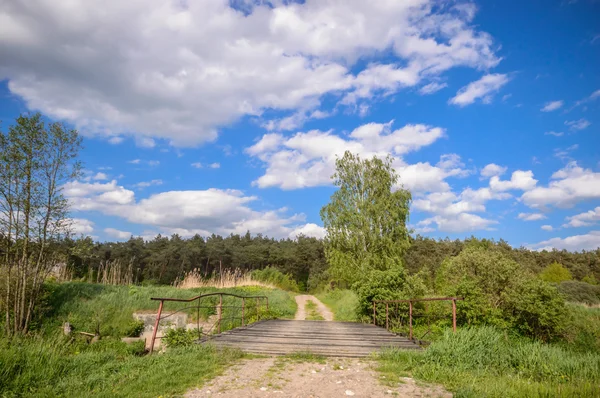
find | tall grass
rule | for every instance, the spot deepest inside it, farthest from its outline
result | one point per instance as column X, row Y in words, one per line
column 486, row 362
column 59, row 367
column 228, row 279
column 342, row 302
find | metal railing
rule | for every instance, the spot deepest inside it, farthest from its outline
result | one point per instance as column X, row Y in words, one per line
column 249, row 309
column 395, row 313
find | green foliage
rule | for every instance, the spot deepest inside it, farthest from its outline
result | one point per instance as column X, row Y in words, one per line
column 342, row 302
column 583, row 330
column 275, row 277
column 591, row 279
column 498, row 291
column 365, row 219
column 580, row 292
column 392, row 284
column 312, row 312
column 135, row 329
column 555, row 273
column 60, row 367
column 180, row 337
column 484, row 361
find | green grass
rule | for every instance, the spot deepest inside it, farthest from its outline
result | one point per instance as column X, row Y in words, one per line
column 343, row 304
column 485, row 362
column 312, row 312
column 84, row 304
column 56, row 367
column 49, row 364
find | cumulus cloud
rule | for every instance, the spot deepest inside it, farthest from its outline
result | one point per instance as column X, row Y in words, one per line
column 492, row 170
column 310, row 229
column 522, row 180
column 185, row 212
column 308, row 158
column 547, row 227
column 80, row 226
column 585, row 219
column 531, row 216
column 568, row 186
column 180, row 70
column 145, row 184
column 589, row 241
column 461, row 223
column 483, row 88
column 552, row 106
column 115, row 233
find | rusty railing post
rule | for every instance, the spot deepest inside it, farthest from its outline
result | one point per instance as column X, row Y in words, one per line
column 454, row 315
column 387, row 326
column 160, row 307
column 410, row 328
column 257, row 309
column 243, row 305
column 374, row 314
column 220, row 311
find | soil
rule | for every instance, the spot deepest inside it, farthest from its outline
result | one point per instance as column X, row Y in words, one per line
column 333, row 377
column 301, row 312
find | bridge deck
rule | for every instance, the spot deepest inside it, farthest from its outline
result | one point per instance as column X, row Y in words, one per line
column 339, row 339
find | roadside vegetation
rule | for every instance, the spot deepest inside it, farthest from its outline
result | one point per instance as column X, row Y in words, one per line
column 312, row 312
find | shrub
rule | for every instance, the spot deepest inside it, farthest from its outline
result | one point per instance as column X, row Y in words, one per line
column 500, row 292
column 391, row 284
column 179, row 337
column 275, row 277
column 580, row 292
column 555, row 273
column 135, row 328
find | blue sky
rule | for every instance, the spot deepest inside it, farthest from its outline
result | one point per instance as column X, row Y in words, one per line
column 216, row 116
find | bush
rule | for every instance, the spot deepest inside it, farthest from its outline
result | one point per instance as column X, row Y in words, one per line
column 180, row 337
column 135, row 329
column 580, row 292
column 392, row 284
column 498, row 291
column 555, row 273
column 275, row 277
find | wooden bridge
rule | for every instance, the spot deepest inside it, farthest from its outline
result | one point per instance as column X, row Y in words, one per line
column 240, row 326
column 338, row 339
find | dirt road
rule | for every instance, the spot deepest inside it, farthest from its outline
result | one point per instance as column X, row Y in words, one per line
column 333, row 377
column 301, row 312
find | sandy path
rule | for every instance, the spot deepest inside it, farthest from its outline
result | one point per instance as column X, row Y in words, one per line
column 335, row 377
column 301, row 312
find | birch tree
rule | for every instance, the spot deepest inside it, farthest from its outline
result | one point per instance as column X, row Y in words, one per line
column 35, row 161
column 365, row 218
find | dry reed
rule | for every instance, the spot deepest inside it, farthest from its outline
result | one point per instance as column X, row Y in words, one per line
column 229, row 278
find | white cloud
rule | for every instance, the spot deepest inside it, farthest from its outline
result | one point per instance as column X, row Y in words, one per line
column 589, row 241
column 145, row 142
column 585, row 219
column 185, row 212
column 115, row 140
column 81, row 226
column 547, row 227
column 308, row 159
column 134, row 161
column 554, row 133
column 492, row 170
column 145, row 184
column 432, row 88
column 199, row 165
column 482, row 88
column 196, row 165
column 578, row 124
column 180, row 70
column 100, row 177
column 310, row 229
column 568, row 186
column 115, row 233
column 462, row 223
column 591, row 97
column 522, row 180
column 552, row 106
column 214, row 165
column 531, row 216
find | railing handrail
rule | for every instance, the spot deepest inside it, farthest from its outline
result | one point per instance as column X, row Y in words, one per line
column 419, row 299
column 202, row 296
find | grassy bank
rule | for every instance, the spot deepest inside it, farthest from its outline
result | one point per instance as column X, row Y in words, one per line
column 485, row 362
column 84, row 305
column 343, row 303
column 59, row 367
